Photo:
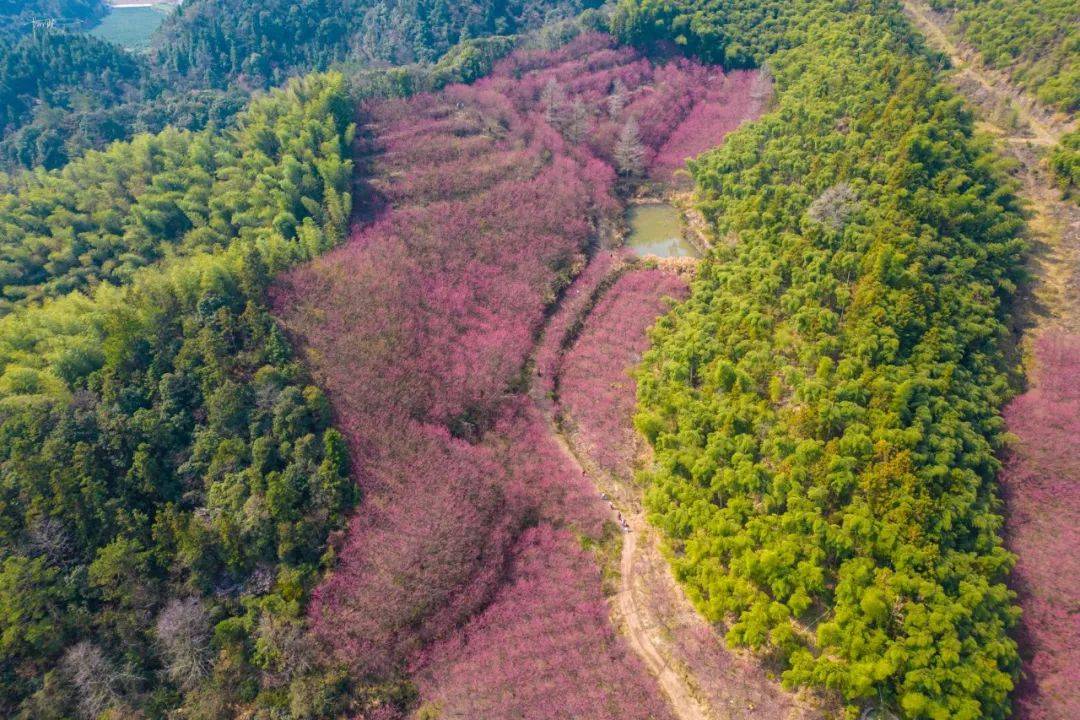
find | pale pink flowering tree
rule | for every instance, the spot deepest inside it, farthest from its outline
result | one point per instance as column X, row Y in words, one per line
column 596, row 388
column 544, row 649
column 420, row 328
column 1041, row 483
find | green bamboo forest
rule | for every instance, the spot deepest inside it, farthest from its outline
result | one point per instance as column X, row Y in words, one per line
column 158, row 433
column 836, row 477
column 824, row 407
column 1035, row 42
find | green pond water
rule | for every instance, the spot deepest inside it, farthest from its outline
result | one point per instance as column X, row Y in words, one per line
column 655, row 229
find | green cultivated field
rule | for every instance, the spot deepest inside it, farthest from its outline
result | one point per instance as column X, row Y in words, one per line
column 131, row 27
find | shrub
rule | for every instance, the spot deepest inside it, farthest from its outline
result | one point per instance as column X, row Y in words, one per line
column 1065, row 163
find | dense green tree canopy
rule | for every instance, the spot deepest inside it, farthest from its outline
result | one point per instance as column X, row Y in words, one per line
column 62, row 92
column 215, row 41
column 64, row 71
column 168, row 473
column 47, row 75
column 19, row 17
column 824, row 408
column 176, row 193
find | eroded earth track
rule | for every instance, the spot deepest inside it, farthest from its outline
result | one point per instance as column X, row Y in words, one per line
column 700, row 678
column 1053, row 299
column 641, row 628
column 1035, row 124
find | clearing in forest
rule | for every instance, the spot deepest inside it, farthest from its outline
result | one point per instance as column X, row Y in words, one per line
column 131, row 25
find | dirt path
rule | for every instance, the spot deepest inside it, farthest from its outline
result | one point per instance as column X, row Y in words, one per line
column 649, row 606
column 1035, row 124
column 699, row 676
column 1053, row 298
column 641, row 628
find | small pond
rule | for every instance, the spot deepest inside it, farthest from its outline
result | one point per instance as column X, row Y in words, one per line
column 656, row 229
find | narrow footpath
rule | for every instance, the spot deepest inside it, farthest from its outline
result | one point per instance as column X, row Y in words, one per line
column 1053, row 299
column 1035, row 124
column 706, row 681
column 639, row 624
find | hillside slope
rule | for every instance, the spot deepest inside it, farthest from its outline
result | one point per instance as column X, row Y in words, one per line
column 825, row 408
column 19, row 17
column 168, row 474
column 217, row 41
column 463, row 567
column 1038, row 479
column 1035, row 42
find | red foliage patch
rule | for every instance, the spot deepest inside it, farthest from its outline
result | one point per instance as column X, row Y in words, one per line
column 427, row 551
column 574, row 302
column 741, row 96
column 1041, row 482
column 544, row 648
column 433, row 542
column 420, row 328
column 595, row 386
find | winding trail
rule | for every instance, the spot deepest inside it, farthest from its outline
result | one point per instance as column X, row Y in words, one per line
column 641, row 627
column 1053, row 299
column 1042, row 127
column 649, row 603
column 638, row 623
column 699, row 676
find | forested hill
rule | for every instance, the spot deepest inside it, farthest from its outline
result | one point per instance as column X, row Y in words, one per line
column 62, row 91
column 215, row 41
column 1035, row 41
column 168, row 474
column 17, row 16
column 825, row 408
column 63, row 72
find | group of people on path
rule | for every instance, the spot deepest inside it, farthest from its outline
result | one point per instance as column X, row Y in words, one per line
column 622, row 520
